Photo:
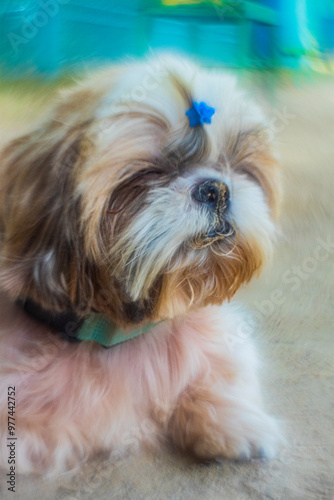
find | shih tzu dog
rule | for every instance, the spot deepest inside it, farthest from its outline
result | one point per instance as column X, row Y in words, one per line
column 129, row 218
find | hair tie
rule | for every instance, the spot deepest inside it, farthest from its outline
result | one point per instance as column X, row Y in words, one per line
column 199, row 114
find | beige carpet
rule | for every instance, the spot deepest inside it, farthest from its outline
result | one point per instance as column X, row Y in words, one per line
column 293, row 302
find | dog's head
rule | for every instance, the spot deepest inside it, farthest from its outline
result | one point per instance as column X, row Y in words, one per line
column 116, row 204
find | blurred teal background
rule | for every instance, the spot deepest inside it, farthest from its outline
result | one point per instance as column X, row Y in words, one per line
column 48, row 38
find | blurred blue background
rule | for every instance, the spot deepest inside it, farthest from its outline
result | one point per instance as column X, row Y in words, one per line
column 48, row 38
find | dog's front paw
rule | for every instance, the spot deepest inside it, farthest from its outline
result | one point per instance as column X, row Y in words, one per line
column 249, row 433
column 230, row 431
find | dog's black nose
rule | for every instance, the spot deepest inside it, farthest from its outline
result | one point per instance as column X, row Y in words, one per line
column 211, row 193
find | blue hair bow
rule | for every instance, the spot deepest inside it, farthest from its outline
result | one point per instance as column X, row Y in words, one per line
column 199, row 114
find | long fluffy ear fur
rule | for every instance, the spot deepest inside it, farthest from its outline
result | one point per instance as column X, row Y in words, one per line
column 39, row 217
column 250, row 153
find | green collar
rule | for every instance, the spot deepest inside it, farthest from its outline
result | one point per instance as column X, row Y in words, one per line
column 95, row 327
column 101, row 329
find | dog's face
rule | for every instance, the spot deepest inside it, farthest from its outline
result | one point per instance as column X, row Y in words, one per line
column 116, row 204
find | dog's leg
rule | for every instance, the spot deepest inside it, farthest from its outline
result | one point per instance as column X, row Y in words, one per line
column 219, row 414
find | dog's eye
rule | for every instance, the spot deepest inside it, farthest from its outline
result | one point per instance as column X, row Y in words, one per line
column 132, row 190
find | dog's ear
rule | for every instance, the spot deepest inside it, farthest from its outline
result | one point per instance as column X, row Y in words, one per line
column 41, row 247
